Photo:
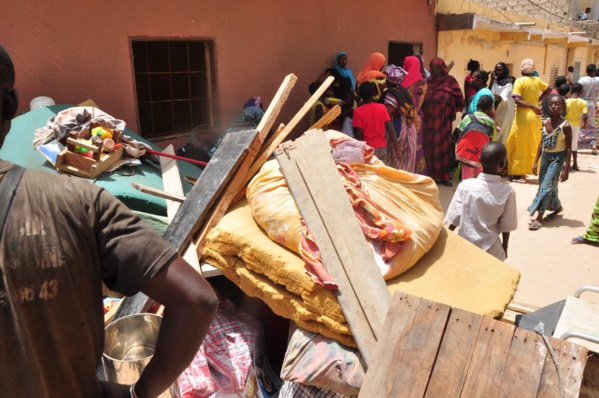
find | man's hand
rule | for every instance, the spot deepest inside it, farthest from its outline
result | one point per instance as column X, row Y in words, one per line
column 534, row 168
column 113, row 390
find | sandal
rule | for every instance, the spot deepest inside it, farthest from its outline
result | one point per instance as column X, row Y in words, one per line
column 553, row 214
column 518, row 180
column 578, row 240
column 535, row 226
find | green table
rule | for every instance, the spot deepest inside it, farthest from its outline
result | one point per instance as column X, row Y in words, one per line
column 18, row 149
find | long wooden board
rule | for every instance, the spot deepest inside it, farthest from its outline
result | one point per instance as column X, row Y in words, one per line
column 456, row 350
column 485, row 373
column 316, row 187
column 281, row 135
column 571, row 359
column 524, row 365
column 195, row 209
column 412, row 335
column 239, row 180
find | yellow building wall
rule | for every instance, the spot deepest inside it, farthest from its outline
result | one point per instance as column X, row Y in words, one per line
column 486, row 47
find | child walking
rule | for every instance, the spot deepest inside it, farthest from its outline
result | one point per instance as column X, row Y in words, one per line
column 554, row 151
column 576, row 115
column 372, row 121
column 485, row 207
column 474, row 131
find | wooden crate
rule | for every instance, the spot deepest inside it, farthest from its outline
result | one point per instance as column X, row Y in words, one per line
column 71, row 162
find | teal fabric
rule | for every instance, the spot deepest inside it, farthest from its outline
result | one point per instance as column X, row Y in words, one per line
column 18, row 149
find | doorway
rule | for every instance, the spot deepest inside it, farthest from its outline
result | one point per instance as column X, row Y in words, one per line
column 398, row 51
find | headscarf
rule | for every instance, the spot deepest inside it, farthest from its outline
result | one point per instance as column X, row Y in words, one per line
column 527, row 66
column 412, row 66
column 396, row 74
column 505, row 78
column 441, row 64
column 345, row 72
column 254, row 101
column 373, row 67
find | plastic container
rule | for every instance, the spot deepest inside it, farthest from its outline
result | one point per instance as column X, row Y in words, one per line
column 40, row 102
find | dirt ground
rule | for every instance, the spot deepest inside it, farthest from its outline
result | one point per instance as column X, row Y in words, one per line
column 551, row 267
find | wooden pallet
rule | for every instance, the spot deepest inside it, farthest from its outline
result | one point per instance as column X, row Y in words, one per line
column 429, row 349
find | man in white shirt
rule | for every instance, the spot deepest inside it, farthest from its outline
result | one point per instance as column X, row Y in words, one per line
column 585, row 15
column 484, row 207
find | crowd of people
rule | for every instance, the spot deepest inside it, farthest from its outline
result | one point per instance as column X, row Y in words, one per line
column 540, row 128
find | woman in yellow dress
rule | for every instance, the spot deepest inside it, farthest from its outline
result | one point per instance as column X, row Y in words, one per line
column 525, row 135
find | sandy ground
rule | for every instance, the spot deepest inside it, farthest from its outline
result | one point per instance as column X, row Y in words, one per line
column 551, row 267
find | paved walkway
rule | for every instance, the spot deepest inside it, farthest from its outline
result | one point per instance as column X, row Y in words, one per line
column 551, row 267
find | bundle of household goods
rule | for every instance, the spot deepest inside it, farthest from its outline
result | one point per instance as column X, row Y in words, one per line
column 263, row 247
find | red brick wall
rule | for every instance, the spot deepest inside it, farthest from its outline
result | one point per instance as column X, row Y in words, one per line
column 74, row 50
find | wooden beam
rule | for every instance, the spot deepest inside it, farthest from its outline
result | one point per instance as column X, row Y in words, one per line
column 314, row 182
column 277, row 139
column 556, row 40
column 192, row 214
column 327, row 118
column 514, row 36
column 238, row 182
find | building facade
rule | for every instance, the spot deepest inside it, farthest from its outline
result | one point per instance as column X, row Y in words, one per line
column 171, row 67
column 511, row 30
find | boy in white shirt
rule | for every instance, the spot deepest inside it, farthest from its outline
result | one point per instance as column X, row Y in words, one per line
column 484, row 207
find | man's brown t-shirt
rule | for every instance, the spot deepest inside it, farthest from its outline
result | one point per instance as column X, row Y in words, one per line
column 62, row 238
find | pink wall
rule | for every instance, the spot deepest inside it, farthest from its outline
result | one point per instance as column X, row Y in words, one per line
column 74, row 50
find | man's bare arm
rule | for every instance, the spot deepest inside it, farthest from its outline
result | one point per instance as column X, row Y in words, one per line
column 190, row 305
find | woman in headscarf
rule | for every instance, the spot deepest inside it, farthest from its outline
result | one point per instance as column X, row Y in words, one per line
column 401, row 154
column 415, row 84
column 525, row 135
column 373, row 72
column 502, row 87
column 345, row 82
column 442, row 101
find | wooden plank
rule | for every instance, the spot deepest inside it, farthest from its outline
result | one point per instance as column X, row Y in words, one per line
column 223, row 165
column 364, row 307
column 212, row 184
column 418, row 350
column 277, row 139
column 455, row 354
column 524, row 365
column 327, row 118
column 239, row 181
column 571, row 360
column 171, row 180
column 379, row 381
column 590, row 380
column 488, row 360
column 319, row 171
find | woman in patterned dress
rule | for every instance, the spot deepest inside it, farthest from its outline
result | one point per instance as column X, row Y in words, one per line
column 442, row 101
